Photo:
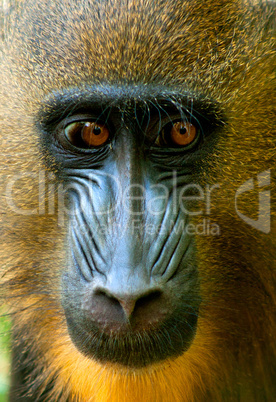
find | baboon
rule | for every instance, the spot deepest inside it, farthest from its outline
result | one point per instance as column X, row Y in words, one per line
column 137, row 228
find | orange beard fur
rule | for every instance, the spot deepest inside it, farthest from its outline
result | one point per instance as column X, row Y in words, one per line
column 178, row 379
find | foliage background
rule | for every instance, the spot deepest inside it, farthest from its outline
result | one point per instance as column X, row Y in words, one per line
column 4, row 357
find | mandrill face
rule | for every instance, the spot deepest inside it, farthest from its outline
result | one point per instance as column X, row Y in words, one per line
column 131, row 265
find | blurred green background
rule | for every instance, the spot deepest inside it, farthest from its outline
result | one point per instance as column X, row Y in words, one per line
column 4, row 357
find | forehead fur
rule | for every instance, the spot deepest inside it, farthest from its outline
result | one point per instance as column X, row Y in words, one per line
column 139, row 40
column 187, row 45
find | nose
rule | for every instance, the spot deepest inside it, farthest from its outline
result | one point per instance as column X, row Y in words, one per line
column 130, row 304
column 113, row 312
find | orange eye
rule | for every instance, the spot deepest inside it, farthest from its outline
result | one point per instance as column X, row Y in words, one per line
column 178, row 134
column 87, row 134
column 183, row 133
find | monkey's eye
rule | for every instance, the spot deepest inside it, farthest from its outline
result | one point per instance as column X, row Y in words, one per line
column 87, row 134
column 177, row 134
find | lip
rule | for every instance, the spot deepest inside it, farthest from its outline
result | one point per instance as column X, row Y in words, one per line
column 132, row 346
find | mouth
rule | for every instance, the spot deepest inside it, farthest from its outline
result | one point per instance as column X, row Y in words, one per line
column 135, row 347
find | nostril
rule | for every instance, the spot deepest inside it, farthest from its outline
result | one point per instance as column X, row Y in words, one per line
column 105, row 294
column 146, row 300
column 129, row 304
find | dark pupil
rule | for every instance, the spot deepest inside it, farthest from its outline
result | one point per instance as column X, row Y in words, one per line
column 97, row 130
column 182, row 130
